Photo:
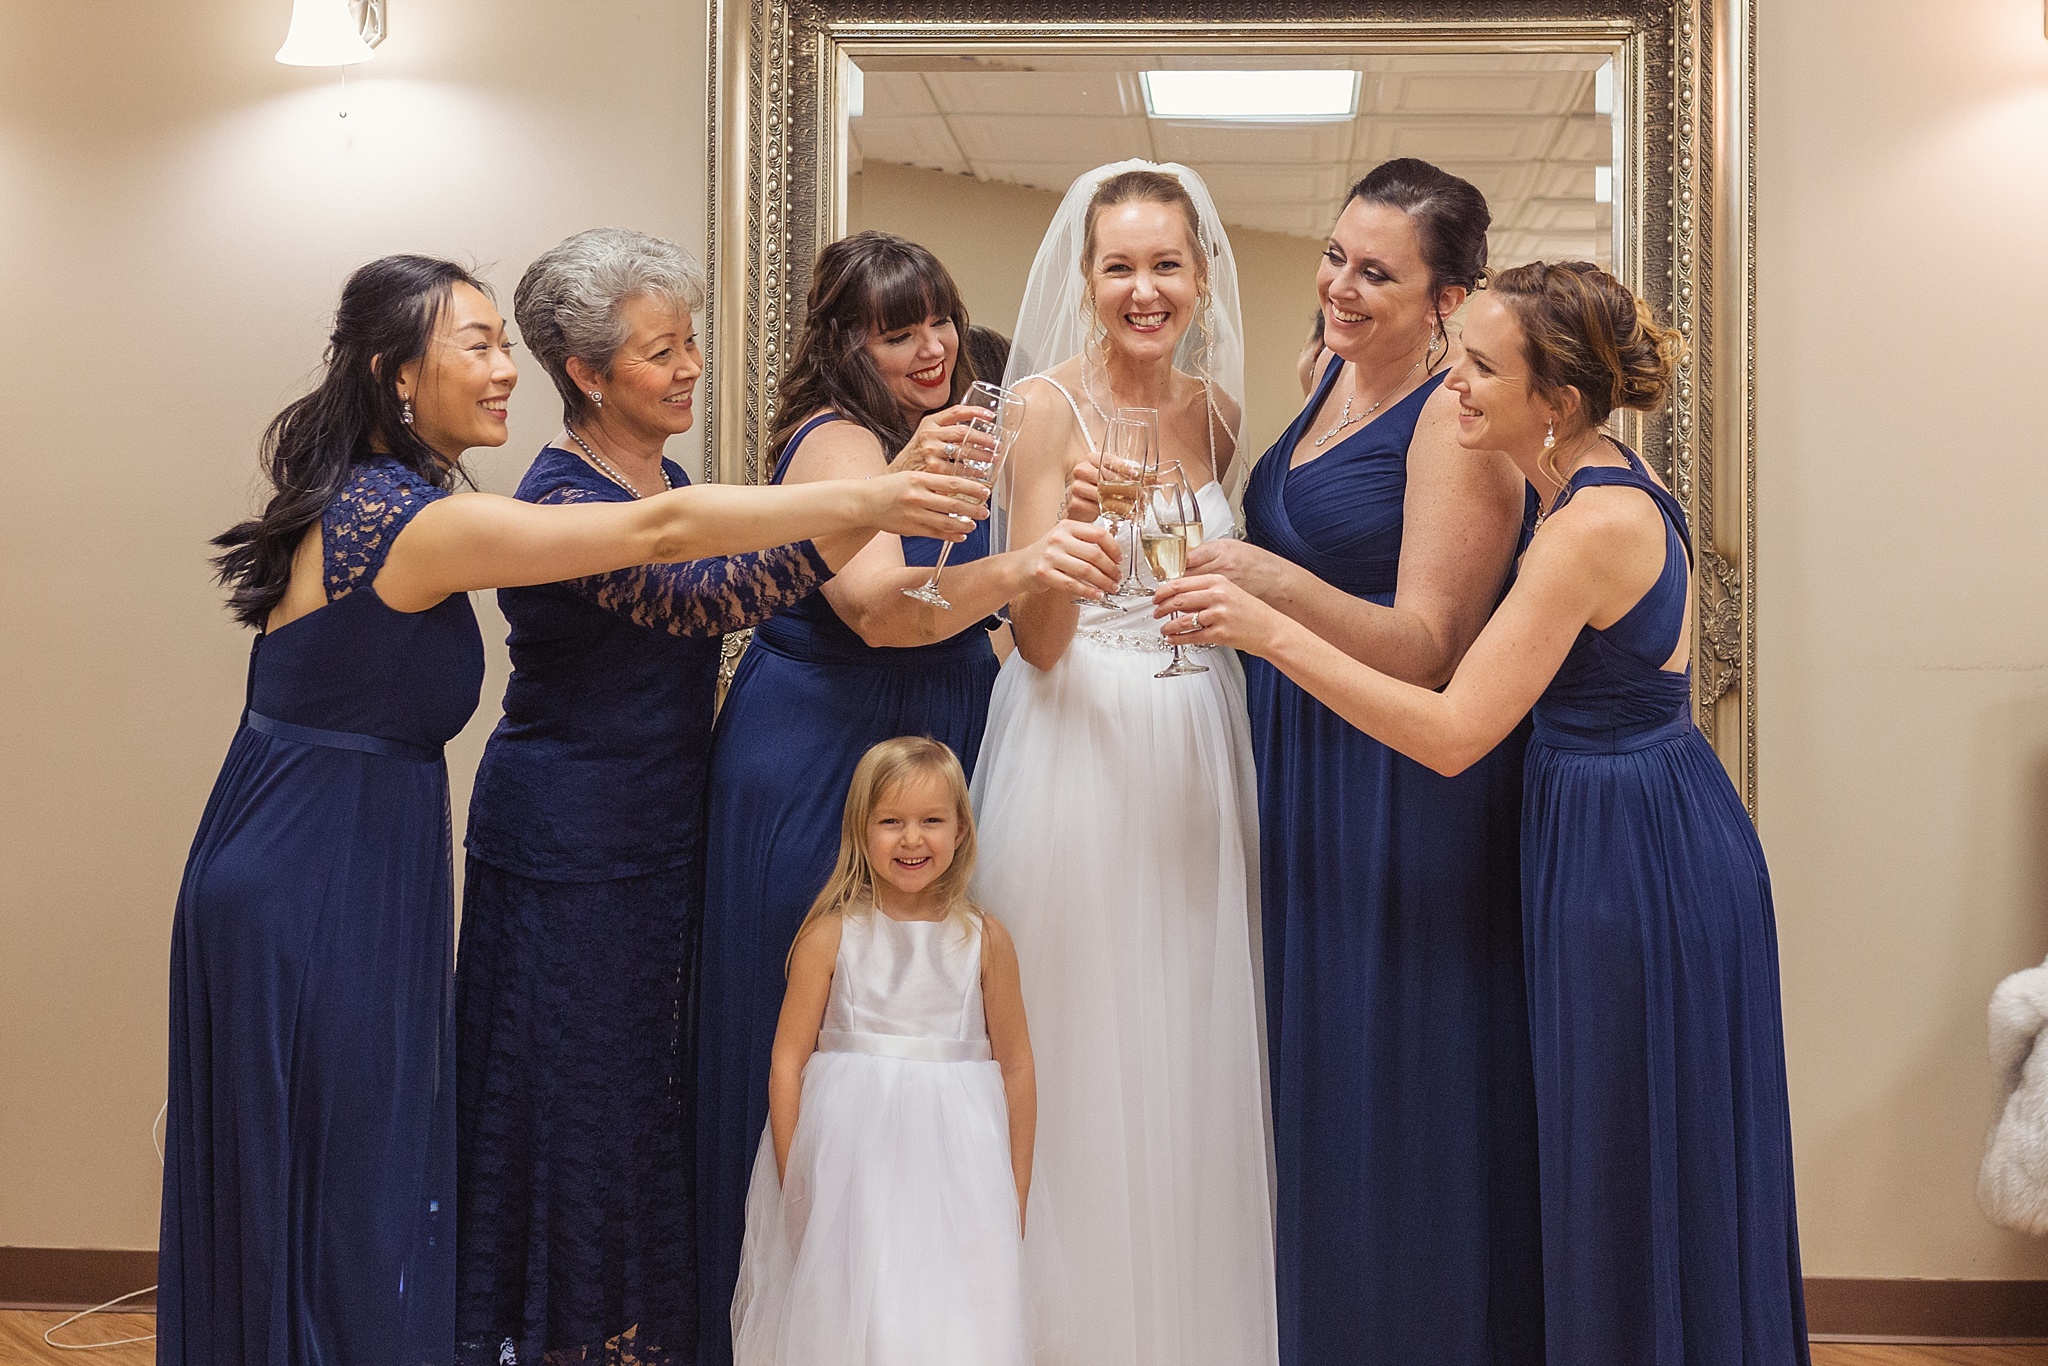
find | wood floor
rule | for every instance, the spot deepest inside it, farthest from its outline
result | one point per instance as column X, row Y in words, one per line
column 21, row 1344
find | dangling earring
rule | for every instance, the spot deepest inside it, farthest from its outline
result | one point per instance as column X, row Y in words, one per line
column 405, row 411
column 1550, row 435
column 597, row 398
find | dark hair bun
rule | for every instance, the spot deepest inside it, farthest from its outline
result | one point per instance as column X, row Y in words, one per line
column 1587, row 331
column 1450, row 216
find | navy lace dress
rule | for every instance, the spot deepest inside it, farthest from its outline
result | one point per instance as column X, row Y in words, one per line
column 579, row 924
column 809, row 699
column 1669, row 1236
column 309, row 1163
column 1404, row 1125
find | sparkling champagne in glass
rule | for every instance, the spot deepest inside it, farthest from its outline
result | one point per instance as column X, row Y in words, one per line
column 1172, row 528
column 981, row 461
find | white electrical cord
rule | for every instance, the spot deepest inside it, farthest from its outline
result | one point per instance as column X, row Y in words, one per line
column 156, row 1143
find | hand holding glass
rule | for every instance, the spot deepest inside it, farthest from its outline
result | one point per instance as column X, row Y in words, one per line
column 1171, row 528
column 980, row 460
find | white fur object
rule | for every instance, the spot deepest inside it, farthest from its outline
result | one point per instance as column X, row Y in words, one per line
column 2012, row 1185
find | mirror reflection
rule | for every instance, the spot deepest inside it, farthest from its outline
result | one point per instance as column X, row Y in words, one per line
column 969, row 155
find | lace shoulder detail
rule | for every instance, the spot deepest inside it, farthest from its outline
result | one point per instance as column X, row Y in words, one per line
column 699, row 599
column 358, row 527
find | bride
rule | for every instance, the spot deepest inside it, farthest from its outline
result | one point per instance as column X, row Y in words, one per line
column 1117, row 812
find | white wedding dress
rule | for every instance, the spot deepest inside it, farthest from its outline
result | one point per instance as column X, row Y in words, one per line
column 1117, row 824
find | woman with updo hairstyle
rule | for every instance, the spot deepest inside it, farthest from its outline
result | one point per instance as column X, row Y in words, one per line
column 878, row 372
column 1396, row 1026
column 309, row 1166
column 1666, row 1150
column 586, row 837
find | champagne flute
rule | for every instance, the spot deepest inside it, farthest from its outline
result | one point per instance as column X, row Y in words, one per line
column 1119, row 483
column 1004, row 416
column 1172, row 528
column 1147, row 459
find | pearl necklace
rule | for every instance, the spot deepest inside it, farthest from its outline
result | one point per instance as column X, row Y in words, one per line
column 610, row 473
column 1347, row 419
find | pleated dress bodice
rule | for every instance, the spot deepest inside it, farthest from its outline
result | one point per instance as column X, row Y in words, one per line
column 907, row 988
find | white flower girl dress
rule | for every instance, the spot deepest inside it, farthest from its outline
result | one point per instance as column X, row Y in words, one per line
column 895, row 1240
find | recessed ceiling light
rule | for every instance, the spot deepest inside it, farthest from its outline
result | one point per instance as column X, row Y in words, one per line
column 1251, row 96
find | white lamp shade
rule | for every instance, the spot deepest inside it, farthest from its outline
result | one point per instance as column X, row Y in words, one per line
column 324, row 33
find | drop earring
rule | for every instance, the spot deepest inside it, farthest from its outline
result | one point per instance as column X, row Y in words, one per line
column 405, row 411
column 597, row 398
column 1550, row 435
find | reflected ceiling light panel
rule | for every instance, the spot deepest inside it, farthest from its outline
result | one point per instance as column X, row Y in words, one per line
column 333, row 32
column 1251, row 96
column 1603, row 88
column 1603, row 184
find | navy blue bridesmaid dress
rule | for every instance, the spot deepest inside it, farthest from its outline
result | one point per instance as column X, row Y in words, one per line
column 1669, row 1234
column 573, row 1013
column 309, row 1169
column 810, row 698
column 1404, row 1123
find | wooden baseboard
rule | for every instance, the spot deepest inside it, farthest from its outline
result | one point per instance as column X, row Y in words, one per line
column 1871, row 1310
column 75, row 1277
column 1843, row 1308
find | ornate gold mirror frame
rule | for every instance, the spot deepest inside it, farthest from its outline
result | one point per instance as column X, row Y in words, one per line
column 1684, row 189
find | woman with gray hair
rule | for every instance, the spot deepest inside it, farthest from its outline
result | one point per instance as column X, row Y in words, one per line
column 584, row 878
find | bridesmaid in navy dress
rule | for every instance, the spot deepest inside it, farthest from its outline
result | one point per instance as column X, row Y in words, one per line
column 309, row 1175
column 849, row 666
column 1404, row 1117
column 1669, row 1233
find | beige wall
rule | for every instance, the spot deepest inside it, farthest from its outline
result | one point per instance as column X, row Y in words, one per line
column 1903, row 492
column 988, row 234
column 177, row 215
column 178, row 211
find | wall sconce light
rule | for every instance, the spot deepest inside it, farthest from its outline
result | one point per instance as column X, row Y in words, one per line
column 333, row 32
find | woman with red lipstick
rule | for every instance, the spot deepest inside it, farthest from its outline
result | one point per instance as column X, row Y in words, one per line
column 1396, row 1029
column 310, row 1143
column 852, row 664
column 1117, row 809
column 1669, row 1231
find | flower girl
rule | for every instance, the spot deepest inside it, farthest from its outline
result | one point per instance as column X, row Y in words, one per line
column 884, row 1223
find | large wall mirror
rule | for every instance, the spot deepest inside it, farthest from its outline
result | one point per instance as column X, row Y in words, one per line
column 1618, row 132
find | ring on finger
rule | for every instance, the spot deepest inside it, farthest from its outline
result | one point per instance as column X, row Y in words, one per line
column 1195, row 620
column 952, row 448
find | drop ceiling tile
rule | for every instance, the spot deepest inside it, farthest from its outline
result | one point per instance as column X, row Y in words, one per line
column 895, row 94
column 1438, row 92
column 1585, row 137
column 1002, row 138
column 1238, row 184
column 912, row 142
column 1031, row 92
column 1293, row 143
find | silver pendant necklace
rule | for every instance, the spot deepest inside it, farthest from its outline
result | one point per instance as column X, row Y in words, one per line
column 605, row 466
column 1347, row 419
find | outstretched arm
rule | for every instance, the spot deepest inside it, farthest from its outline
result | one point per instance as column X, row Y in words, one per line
column 868, row 594
column 480, row 540
column 1002, row 999
column 1566, row 580
column 1463, row 514
column 796, row 1031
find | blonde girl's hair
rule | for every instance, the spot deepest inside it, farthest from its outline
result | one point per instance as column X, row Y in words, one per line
column 889, row 764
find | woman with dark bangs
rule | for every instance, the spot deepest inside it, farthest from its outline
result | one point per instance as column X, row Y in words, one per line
column 857, row 662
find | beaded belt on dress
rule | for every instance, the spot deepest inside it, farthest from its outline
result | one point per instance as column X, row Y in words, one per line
column 914, row 1047
column 1124, row 640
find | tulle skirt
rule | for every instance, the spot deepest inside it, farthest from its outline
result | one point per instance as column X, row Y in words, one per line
column 1118, row 842
column 895, row 1240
